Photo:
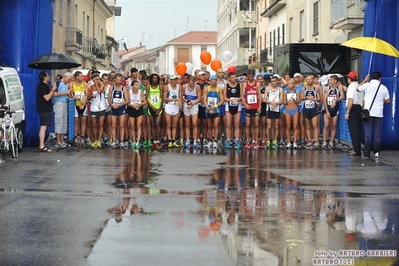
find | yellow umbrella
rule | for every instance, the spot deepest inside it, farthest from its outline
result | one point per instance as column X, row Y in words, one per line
column 373, row 45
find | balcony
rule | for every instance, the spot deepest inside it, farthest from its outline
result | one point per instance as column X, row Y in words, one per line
column 266, row 58
column 253, row 62
column 90, row 47
column 102, row 54
column 246, row 19
column 73, row 39
column 243, row 55
column 275, row 5
column 347, row 15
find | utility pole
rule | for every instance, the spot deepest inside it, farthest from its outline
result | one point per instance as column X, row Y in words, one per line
column 187, row 23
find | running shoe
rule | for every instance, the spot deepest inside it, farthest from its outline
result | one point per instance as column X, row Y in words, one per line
column 87, row 143
column 237, row 144
column 158, row 145
column 170, row 145
column 77, row 140
column 268, row 145
column 122, row 145
column 281, row 143
column 149, row 143
column 247, row 146
column 175, row 144
column 377, row 155
column 134, row 145
column 227, row 145
column 316, row 145
column 288, row 146
column 195, row 145
column 82, row 142
column 187, row 144
column 324, row 145
column 263, row 144
column 331, row 145
column 215, row 145
column 255, row 145
column 181, row 144
column 309, row 145
column 275, row 144
column 94, row 144
column 295, row 146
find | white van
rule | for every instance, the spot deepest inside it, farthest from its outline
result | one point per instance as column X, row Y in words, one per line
column 12, row 96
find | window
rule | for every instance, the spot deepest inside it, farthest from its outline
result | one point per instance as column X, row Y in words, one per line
column 270, row 41
column 69, row 14
column 301, row 26
column 274, row 38
column 316, row 18
column 278, row 36
column 283, row 34
column 61, row 11
column 291, row 29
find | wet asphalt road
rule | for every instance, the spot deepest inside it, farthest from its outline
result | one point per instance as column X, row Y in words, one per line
column 285, row 205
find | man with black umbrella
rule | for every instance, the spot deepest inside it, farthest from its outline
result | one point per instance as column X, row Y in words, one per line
column 44, row 107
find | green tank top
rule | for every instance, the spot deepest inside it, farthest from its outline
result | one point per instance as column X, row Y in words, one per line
column 143, row 89
column 154, row 97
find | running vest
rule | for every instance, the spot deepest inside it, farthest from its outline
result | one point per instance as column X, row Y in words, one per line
column 332, row 95
column 98, row 102
column 310, row 105
column 135, row 98
column 117, row 97
column 143, row 89
column 202, row 86
column 274, row 96
column 172, row 93
column 252, row 96
column 79, row 91
column 213, row 98
column 154, row 96
column 191, row 95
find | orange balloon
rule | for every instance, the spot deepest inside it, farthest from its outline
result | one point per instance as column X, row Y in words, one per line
column 181, row 68
column 216, row 64
column 206, row 57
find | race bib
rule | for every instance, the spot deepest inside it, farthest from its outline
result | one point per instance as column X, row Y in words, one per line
column 117, row 100
column 252, row 99
column 291, row 96
column 232, row 103
column 154, row 98
column 212, row 101
column 310, row 104
column 80, row 95
column 330, row 99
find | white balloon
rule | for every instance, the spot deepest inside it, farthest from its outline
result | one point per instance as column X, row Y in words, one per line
column 227, row 56
column 189, row 68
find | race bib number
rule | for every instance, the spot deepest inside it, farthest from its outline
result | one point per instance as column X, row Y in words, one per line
column 330, row 99
column 117, row 100
column 310, row 104
column 212, row 101
column 80, row 95
column 154, row 98
column 252, row 99
column 291, row 96
column 232, row 103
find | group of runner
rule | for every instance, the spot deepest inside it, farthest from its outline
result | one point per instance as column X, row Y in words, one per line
column 204, row 111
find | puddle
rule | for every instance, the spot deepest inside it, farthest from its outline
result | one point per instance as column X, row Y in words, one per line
column 258, row 214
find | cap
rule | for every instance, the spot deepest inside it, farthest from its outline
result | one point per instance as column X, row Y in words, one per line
column 133, row 69
column 110, row 78
column 297, row 75
column 267, row 77
column 85, row 78
column 240, row 79
column 123, row 82
column 201, row 73
column 277, row 76
column 213, row 77
column 352, row 75
column 172, row 76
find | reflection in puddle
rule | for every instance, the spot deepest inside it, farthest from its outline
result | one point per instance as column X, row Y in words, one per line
column 266, row 219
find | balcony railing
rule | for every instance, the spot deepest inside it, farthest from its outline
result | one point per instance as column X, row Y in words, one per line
column 347, row 15
column 74, row 39
column 102, row 52
column 90, row 46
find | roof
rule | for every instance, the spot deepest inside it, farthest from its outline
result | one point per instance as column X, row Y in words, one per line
column 196, row 37
column 123, row 52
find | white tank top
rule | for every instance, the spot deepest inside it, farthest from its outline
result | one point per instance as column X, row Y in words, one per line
column 275, row 97
column 98, row 103
column 172, row 93
column 135, row 98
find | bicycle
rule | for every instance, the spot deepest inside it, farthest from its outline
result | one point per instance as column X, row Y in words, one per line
column 9, row 142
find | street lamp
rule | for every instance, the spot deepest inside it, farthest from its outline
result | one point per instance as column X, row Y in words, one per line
column 124, row 44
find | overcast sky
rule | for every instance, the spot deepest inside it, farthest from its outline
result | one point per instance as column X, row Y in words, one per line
column 155, row 22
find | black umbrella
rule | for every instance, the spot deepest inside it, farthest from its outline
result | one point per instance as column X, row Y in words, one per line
column 54, row 61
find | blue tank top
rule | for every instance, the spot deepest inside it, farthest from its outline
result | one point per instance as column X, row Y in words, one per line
column 310, row 105
column 213, row 98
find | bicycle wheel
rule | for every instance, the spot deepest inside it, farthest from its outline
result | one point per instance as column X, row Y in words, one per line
column 14, row 144
column 2, row 153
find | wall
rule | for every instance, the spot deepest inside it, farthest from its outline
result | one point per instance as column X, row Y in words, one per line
column 27, row 37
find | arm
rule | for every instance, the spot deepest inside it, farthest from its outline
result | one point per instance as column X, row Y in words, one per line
column 221, row 99
column 281, row 95
column 366, row 79
column 348, row 109
column 143, row 99
column 126, row 96
column 50, row 95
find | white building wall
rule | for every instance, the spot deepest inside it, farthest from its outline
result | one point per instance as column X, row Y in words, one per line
column 170, row 55
column 196, row 60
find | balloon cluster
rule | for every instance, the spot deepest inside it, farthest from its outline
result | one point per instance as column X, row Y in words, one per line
column 206, row 58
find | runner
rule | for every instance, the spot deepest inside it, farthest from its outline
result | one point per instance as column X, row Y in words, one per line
column 252, row 110
column 172, row 99
column 262, row 84
column 273, row 98
column 312, row 97
column 201, row 109
column 213, row 99
column 136, row 112
column 332, row 96
column 146, row 125
column 191, row 96
column 97, row 112
column 78, row 86
column 118, row 99
column 300, row 86
column 154, row 100
column 221, row 83
column 232, row 100
column 291, row 101
column 107, row 123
